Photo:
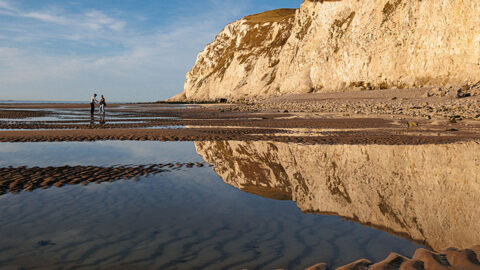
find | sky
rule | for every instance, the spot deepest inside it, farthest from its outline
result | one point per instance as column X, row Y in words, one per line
column 128, row 50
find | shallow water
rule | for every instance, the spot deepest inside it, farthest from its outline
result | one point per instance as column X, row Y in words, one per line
column 81, row 114
column 102, row 153
column 184, row 218
column 165, row 127
column 428, row 193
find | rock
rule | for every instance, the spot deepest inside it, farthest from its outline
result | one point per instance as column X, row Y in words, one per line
column 412, row 124
column 362, row 264
column 393, row 261
column 452, row 120
column 320, row 266
column 423, row 259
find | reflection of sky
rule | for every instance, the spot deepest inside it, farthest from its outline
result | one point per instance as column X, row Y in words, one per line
column 105, row 153
column 189, row 213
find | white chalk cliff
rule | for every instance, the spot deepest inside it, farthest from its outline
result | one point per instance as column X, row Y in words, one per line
column 334, row 45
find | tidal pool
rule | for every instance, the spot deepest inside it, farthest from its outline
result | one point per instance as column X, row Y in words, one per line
column 183, row 218
column 81, row 116
column 102, row 153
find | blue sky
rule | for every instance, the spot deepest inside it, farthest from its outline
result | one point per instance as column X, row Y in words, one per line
column 128, row 50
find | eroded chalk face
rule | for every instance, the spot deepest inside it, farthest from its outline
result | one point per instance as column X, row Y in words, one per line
column 328, row 46
column 426, row 193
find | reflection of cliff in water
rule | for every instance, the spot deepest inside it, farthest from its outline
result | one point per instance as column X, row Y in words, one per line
column 429, row 193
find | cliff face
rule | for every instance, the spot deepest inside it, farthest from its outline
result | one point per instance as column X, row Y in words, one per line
column 336, row 45
column 429, row 193
column 244, row 54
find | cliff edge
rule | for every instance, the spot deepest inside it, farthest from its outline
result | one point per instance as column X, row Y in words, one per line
column 327, row 46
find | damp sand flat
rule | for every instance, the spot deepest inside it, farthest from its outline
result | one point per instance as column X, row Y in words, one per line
column 155, row 122
column 184, row 218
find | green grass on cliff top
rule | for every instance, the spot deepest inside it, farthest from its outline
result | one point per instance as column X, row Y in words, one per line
column 277, row 15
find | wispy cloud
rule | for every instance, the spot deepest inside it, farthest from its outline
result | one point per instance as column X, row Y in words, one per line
column 93, row 19
column 5, row 5
column 97, row 20
column 44, row 17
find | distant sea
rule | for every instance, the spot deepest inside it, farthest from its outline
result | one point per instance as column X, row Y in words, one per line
column 38, row 101
column 49, row 101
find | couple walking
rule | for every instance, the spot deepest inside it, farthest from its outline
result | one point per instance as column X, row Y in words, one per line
column 101, row 103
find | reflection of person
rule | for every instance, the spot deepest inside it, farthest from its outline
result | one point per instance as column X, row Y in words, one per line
column 102, row 119
column 93, row 100
column 102, row 105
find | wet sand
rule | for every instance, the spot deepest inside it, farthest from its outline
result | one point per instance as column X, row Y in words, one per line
column 19, row 179
column 157, row 122
column 17, row 114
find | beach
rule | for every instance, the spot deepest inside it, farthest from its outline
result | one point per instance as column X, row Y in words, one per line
column 396, row 117
column 305, row 134
column 298, row 138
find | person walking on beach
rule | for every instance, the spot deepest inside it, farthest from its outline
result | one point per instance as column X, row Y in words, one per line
column 102, row 105
column 93, row 100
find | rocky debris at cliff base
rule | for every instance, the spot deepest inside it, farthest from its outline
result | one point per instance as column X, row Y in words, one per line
column 405, row 102
column 454, row 259
column 455, row 92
